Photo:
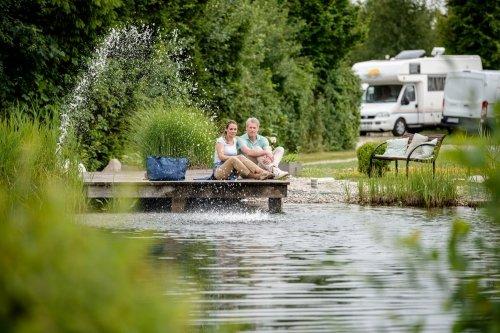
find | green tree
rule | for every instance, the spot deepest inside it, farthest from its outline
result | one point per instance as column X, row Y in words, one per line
column 44, row 43
column 396, row 25
column 328, row 32
column 253, row 66
column 473, row 27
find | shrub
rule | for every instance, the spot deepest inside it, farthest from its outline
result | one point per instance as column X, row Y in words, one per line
column 175, row 130
column 364, row 152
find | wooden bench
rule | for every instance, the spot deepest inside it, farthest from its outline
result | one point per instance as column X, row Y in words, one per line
column 408, row 158
column 132, row 184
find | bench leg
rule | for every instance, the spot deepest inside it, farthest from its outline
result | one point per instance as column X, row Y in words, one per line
column 178, row 205
column 407, row 163
column 370, row 168
column 396, row 162
column 433, row 168
column 275, row 205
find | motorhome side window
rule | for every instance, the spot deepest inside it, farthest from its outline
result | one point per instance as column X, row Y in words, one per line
column 436, row 82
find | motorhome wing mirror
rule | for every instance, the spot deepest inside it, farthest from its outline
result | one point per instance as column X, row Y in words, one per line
column 405, row 100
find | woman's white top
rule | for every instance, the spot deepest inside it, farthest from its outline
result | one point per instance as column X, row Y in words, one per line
column 229, row 150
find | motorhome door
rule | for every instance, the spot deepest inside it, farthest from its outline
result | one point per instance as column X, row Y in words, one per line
column 409, row 107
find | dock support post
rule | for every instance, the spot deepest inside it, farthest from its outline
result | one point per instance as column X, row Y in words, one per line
column 275, row 205
column 178, row 205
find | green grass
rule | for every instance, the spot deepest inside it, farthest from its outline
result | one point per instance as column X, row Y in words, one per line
column 463, row 139
column 446, row 161
column 324, row 156
column 343, row 170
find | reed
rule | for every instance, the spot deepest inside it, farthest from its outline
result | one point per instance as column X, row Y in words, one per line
column 420, row 189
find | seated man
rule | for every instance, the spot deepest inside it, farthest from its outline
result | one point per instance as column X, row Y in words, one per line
column 257, row 148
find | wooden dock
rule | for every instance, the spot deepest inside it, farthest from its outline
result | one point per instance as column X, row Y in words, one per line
column 133, row 184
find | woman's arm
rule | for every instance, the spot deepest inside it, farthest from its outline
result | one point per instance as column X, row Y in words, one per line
column 220, row 151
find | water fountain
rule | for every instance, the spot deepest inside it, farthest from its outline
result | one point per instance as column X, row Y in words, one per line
column 119, row 42
column 159, row 58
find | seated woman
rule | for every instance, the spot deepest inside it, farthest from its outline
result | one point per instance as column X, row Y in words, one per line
column 228, row 162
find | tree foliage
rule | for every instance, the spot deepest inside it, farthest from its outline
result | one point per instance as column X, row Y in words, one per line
column 280, row 61
column 43, row 44
column 473, row 27
column 328, row 32
column 396, row 25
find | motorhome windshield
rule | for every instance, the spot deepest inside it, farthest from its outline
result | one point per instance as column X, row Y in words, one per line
column 382, row 93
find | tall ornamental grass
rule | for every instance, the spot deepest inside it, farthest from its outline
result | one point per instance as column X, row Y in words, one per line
column 59, row 276
column 19, row 135
column 28, row 158
column 420, row 189
column 177, row 131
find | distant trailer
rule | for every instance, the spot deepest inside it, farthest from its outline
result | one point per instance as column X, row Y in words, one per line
column 132, row 184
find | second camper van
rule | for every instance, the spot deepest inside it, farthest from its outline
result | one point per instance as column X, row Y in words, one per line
column 407, row 91
column 470, row 98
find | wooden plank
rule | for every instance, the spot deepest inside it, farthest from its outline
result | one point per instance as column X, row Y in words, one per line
column 134, row 185
column 188, row 190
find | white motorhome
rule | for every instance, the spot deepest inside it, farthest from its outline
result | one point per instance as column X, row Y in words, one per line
column 407, row 91
column 470, row 98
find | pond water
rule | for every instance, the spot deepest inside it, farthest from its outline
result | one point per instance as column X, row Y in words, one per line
column 315, row 268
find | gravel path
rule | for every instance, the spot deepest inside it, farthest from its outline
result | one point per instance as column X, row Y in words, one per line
column 319, row 190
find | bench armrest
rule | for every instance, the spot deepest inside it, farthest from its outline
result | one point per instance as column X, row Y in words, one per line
column 374, row 150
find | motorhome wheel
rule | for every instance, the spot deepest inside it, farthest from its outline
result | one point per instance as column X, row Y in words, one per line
column 399, row 127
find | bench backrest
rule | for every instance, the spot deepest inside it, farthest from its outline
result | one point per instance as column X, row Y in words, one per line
column 439, row 137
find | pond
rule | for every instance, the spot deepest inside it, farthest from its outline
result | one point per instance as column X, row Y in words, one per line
column 316, row 268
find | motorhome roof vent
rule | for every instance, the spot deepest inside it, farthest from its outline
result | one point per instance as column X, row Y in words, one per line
column 410, row 54
column 437, row 51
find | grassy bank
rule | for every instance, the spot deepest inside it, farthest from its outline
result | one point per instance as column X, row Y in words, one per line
column 420, row 189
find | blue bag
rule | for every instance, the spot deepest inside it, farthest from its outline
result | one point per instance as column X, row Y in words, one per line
column 166, row 168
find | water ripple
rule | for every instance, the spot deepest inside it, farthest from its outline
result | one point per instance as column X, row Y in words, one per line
column 317, row 268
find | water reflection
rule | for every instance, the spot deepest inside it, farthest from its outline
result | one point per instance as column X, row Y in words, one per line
column 315, row 268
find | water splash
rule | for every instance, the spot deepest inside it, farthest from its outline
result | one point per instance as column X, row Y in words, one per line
column 147, row 63
column 125, row 43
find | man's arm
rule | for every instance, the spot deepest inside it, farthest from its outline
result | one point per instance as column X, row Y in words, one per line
column 252, row 152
